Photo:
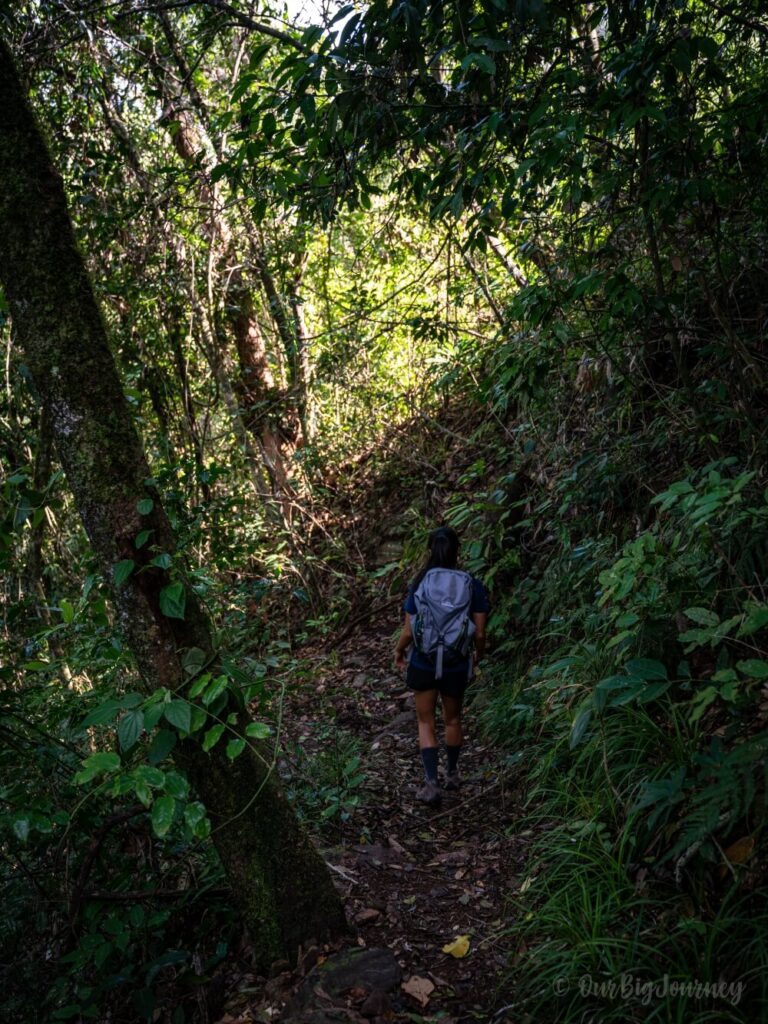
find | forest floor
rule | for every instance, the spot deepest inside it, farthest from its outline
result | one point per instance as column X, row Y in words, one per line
column 413, row 878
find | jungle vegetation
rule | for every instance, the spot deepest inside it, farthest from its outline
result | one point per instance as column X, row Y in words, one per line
column 278, row 292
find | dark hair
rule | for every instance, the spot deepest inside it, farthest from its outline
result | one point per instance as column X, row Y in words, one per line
column 443, row 547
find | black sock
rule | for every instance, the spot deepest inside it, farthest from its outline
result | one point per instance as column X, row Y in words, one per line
column 429, row 757
column 453, row 757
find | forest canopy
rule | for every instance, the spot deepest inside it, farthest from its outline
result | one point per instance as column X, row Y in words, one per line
column 281, row 291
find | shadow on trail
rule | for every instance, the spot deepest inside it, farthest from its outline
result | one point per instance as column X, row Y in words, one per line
column 414, row 879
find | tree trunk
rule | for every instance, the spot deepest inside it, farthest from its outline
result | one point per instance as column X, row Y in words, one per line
column 281, row 883
column 256, row 386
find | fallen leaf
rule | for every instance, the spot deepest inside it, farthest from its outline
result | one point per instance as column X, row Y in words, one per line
column 459, row 947
column 396, row 846
column 367, row 915
column 419, row 988
column 737, row 853
column 741, row 850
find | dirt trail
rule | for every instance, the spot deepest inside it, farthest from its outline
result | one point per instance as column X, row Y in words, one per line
column 413, row 878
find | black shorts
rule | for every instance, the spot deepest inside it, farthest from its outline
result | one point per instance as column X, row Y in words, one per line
column 453, row 684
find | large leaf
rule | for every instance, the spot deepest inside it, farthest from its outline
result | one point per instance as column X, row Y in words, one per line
column 104, row 713
column 257, row 730
column 217, row 687
column 753, row 668
column 98, row 764
column 199, row 685
column 162, row 814
column 196, row 820
column 176, row 785
column 702, row 616
column 173, row 600
column 21, row 829
column 646, row 668
column 129, row 728
column 123, row 570
column 179, row 713
column 213, row 736
column 193, row 660
column 162, row 744
column 579, row 726
column 235, row 748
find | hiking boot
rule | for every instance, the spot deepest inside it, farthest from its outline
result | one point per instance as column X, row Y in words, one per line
column 429, row 793
column 452, row 781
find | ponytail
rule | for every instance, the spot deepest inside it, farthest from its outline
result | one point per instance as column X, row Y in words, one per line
column 443, row 547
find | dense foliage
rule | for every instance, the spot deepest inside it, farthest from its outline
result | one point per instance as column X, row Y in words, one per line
column 498, row 264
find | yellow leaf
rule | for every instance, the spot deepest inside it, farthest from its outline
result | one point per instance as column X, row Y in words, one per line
column 741, row 850
column 459, row 947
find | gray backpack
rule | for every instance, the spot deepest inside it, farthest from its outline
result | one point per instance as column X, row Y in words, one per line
column 443, row 626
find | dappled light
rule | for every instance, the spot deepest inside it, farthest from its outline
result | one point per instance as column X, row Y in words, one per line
column 384, row 512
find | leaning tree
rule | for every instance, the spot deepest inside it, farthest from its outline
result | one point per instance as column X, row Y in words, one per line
column 284, row 888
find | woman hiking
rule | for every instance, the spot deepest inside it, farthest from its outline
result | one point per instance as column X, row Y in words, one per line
column 445, row 619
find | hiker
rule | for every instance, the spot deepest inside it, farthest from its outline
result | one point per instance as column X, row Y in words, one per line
column 445, row 618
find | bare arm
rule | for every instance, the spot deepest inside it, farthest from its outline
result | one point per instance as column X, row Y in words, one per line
column 403, row 643
column 480, row 619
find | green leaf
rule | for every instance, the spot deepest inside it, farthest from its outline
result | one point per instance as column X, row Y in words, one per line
column 178, row 713
column 194, row 813
column 145, row 506
column 645, row 693
column 21, row 829
column 753, row 668
column 67, row 611
column 212, row 737
column 123, row 570
column 142, row 791
column 702, row 616
column 162, row 814
column 481, row 61
column 217, row 687
column 199, row 685
column 757, row 619
column 646, row 668
column 104, row 713
column 162, row 561
column 579, row 726
column 173, row 600
column 152, row 776
column 142, row 538
column 161, row 747
column 105, row 761
column 199, row 717
column 702, row 701
column 257, row 730
column 235, row 748
column 176, row 785
column 97, row 764
column 129, row 728
column 193, row 660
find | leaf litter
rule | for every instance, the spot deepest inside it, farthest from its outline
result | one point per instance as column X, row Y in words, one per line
column 427, row 884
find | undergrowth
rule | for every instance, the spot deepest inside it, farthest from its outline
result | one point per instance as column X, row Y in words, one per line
column 628, row 671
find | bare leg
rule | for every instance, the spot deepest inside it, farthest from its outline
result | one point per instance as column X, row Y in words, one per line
column 426, row 701
column 452, row 720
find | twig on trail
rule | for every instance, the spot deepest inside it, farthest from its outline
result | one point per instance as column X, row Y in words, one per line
column 346, row 875
column 367, row 614
column 469, row 800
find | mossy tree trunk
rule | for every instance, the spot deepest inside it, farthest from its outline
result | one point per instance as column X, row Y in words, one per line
column 282, row 884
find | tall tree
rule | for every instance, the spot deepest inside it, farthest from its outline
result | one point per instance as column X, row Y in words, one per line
column 285, row 889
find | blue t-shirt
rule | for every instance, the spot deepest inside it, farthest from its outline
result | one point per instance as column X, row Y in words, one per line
column 480, row 603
